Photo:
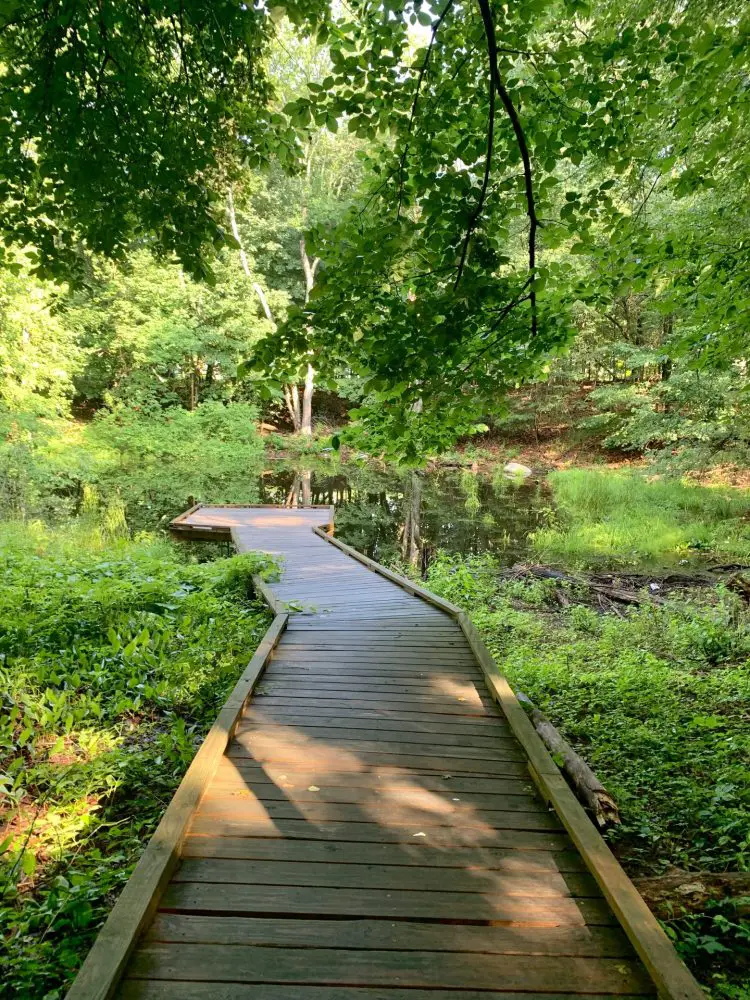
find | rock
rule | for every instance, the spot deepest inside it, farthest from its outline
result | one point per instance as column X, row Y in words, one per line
column 514, row 470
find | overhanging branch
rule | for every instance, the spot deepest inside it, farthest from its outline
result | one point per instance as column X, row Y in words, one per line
column 523, row 147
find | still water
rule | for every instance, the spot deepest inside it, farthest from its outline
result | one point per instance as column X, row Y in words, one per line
column 391, row 515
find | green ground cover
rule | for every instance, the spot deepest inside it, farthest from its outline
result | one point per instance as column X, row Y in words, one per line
column 620, row 519
column 115, row 656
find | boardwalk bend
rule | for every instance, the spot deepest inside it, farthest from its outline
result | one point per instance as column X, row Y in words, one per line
column 379, row 821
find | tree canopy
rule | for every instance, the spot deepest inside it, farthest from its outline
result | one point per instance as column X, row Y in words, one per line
column 504, row 169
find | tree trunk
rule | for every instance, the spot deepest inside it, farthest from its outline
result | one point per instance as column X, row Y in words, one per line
column 309, row 268
column 291, row 398
column 307, row 395
column 293, row 413
column 411, row 539
column 306, row 477
column 589, row 789
column 677, row 892
column 192, row 391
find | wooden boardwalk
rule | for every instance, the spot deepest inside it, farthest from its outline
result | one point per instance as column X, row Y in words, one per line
column 372, row 831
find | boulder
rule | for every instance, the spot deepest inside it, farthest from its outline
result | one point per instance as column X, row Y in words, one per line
column 514, row 470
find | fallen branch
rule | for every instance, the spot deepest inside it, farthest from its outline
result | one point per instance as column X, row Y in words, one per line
column 679, row 893
column 587, row 786
column 606, row 589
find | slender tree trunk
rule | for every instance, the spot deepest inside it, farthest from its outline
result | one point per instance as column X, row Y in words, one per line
column 411, row 539
column 309, row 268
column 306, row 477
column 291, row 394
column 291, row 398
column 192, row 390
column 307, row 395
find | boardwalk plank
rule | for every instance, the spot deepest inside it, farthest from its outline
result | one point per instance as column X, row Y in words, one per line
column 363, row 876
column 160, row 989
column 431, row 970
column 414, row 853
column 605, row 942
column 200, row 897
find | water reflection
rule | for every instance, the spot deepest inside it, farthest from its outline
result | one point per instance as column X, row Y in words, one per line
column 391, row 515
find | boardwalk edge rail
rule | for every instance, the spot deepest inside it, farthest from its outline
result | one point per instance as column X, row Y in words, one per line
column 671, row 976
column 105, row 963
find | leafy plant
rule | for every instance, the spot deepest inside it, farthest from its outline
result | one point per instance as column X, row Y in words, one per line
column 115, row 656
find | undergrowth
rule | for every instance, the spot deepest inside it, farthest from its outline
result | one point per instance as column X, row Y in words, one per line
column 156, row 462
column 656, row 702
column 115, row 656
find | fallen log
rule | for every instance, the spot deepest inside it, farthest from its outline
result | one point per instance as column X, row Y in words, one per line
column 520, row 570
column 739, row 584
column 587, row 786
column 679, row 893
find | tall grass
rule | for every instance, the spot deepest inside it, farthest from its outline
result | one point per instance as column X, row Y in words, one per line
column 624, row 519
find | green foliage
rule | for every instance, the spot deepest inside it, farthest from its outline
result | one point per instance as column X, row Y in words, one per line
column 689, row 421
column 115, row 656
column 39, row 355
column 439, row 290
column 655, row 703
column 622, row 519
column 118, row 120
column 151, row 336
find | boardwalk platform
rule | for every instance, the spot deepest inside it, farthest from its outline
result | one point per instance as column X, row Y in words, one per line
column 368, row 828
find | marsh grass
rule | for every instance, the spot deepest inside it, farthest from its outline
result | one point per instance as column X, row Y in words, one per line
column 624, row 519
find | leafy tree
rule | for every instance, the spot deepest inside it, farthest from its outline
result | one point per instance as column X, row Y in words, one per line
column 510, row 149
column 39, row 355
column 154, row 337
column 118, row 121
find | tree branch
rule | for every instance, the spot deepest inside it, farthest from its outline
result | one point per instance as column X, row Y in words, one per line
column 523, row 148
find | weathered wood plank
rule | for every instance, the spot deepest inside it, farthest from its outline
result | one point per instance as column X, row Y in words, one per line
column 382, row 720
column 435, row 970
column 353, row 760
column 444, row 837
column 199, row 897
column 257, row 775
column 405, row 855
column 180, row 928
column 259, row 815
column 362, row 876
column 160, row 989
